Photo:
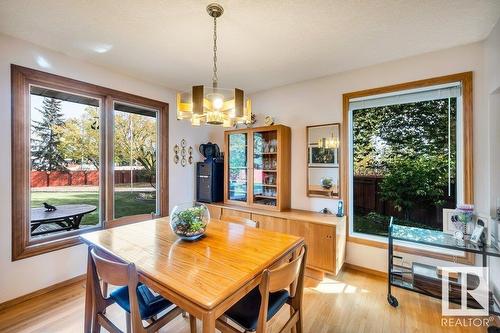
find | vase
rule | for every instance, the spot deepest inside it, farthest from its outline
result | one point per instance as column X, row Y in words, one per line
column 189, row 220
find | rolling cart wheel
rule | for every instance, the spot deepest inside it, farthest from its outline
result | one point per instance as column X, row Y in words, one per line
column 393, row 301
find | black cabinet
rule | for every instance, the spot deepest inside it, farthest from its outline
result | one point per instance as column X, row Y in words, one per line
column 210, row 181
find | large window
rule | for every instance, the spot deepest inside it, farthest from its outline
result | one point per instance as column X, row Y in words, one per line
column 65, row 161
column 409, row 154
column 134, row 160
column 83, row 157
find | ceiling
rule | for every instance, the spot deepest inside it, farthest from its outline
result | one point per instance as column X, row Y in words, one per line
column 262, row 43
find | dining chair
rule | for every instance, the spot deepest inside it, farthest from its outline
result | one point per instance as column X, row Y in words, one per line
column 279, row 286
column 240, row 220
column 140, row 305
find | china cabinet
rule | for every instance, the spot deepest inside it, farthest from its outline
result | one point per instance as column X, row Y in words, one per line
column 257, row 167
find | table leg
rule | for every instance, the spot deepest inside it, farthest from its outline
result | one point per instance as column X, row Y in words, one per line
column 34, row 226
column 208, row 323
column 192, row 323
column 74, row 222
column 87, row 324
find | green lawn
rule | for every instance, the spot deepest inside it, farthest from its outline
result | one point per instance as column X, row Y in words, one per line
column 126, row 203
column 377, row 224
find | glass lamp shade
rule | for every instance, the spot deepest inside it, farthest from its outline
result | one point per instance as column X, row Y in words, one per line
column 331, row 142
column 214, row 106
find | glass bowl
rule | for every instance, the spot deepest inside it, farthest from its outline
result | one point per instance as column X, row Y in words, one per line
column 326, row 182
column 189, row 220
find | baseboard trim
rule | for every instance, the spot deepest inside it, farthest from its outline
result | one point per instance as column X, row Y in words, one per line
column 365, row 270
column 314, row 274
column 20, row 299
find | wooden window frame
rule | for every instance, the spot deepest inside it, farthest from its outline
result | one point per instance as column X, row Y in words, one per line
column 466, row 79
column 21, row 79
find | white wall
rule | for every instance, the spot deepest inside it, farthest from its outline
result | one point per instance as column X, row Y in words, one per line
column 492, row 74
column 492, row 87
column 24, row 276
column 319, row 101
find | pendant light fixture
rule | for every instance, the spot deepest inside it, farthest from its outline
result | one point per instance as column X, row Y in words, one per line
column 214, row 105
column 329, row 143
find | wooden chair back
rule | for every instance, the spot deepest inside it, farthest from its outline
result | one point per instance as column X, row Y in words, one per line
column 240, row 220
column 289, row 275
column 102, row 266
column 111, row 272
column 285, row 275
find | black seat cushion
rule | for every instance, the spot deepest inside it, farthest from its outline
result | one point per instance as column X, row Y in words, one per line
column 149, row 304
column 246, row 311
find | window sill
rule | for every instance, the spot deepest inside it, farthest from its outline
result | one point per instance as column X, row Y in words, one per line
column 414, row 249
column 35, row 249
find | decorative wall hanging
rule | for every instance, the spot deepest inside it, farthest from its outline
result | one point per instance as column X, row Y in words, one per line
column 190, row 152
column 180, row 153
column 176, row 154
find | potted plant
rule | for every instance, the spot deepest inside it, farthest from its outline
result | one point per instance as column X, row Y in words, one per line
column 326, row 182
column 189, row 220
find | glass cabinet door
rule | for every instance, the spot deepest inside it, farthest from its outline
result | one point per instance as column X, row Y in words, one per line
column 238, row 167
column 265, row 167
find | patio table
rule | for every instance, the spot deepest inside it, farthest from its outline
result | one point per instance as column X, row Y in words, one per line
column 67, row 217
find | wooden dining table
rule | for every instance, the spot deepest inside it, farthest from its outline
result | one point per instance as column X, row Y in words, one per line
column 205, row 277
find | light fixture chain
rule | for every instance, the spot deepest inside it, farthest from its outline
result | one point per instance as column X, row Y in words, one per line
column 215, row 78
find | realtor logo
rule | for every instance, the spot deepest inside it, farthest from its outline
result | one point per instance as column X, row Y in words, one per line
column 465, row 291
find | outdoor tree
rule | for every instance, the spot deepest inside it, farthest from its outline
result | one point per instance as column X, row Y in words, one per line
column 411, row 148
column 46, row 138
column 79, row 138
column 402, row 131
column 409, row 181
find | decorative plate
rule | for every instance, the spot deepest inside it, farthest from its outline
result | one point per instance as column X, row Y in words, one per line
column 183, row 152
column 176, row 149
column 183, row 143
column 176, row 158
column 190, row 159
column 183, row 162
column 190, row 150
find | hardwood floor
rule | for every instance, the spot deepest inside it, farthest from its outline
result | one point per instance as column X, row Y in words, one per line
column 353, row 302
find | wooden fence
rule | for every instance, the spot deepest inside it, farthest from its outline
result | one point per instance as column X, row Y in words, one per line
column 82, row 178
column 367, row 198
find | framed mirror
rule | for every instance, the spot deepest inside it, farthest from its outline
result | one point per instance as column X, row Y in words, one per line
column 323, row 161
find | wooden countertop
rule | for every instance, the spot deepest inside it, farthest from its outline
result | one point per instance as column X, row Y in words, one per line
column 291, row 214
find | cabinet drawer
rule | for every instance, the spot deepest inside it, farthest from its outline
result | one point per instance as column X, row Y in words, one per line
column 270, row 223
column 231, row 212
